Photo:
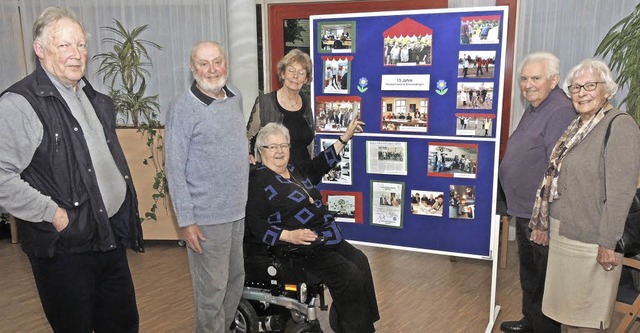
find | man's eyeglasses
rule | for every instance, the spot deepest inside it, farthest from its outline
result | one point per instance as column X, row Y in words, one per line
column 293, row 71
column 589, row 86
column 275, row 147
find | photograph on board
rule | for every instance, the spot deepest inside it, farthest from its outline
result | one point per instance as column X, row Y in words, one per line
column 474, row 95
column 387, row 157
column 453, row 160
column 480, row 29
column 386, row 203
column 404, row 114
column 341, row 173
column 462, row 201
column 476, row 64
column 334, row 113
column 407, row 43
column 337, row 37
column 337, row 75
column 474, row 124
column 429, row 203
column 346, row 205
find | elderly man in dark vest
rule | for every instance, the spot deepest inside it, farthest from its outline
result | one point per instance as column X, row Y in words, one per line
column 64, row 177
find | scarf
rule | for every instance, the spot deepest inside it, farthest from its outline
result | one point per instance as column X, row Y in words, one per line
column 548, row 190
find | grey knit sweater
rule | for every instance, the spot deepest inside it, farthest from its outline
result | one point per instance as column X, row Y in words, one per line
column 583, row 214
column 206, row 159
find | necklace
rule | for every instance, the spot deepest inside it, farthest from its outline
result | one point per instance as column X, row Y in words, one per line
column 289, row 102
column 295, row 182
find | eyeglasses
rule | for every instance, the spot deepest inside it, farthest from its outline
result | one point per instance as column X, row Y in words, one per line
column 274, row 147
column 589, row 86
column 293, row 71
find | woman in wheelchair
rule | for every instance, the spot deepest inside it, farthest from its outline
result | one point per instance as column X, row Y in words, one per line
column 285, row 215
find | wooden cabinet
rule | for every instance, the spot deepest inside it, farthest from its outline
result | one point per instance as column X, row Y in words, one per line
column 136, row 150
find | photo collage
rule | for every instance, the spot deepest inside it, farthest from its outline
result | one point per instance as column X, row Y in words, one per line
column 406, row 110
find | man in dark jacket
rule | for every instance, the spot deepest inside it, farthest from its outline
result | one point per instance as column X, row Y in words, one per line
column 529, row 147
column 64, row 177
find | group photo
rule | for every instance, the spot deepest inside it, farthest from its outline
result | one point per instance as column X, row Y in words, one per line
column 315, row 166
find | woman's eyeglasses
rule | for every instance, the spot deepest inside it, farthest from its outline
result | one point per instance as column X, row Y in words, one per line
column 589, row 86
column 275, row 147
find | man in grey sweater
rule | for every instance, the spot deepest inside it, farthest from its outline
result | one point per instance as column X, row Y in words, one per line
column 208, row 172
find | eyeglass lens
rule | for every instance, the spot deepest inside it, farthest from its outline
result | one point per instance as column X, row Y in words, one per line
column 589, row 86
column 275, row 147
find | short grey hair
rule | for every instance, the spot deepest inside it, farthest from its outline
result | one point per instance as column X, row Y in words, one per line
column 593, row 66
column 551, row 62
column 48, row 17
column 197, row 46
column 268, row 130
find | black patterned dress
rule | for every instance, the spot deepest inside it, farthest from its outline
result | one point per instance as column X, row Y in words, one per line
column 276, row 204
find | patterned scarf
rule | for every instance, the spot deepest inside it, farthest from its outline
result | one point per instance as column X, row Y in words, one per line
column 548, row 189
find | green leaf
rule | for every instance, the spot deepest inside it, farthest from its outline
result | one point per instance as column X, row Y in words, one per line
column 620, row 45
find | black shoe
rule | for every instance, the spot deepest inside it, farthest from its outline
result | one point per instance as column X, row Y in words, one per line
column 520, row 326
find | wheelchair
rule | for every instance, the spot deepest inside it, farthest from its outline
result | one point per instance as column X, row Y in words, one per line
column 275, row 301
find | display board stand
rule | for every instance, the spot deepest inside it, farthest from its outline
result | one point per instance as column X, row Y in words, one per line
column 494, row 309
column 429, row 86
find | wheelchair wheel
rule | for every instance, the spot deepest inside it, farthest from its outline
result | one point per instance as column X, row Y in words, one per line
column 305, row 327
column 246, row 318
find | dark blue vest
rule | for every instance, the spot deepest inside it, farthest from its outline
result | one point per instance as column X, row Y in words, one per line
column 62, row 169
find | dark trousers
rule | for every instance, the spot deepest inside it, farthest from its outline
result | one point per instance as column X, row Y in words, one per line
column 533, row 268
column 87, row 292
column 346, row 272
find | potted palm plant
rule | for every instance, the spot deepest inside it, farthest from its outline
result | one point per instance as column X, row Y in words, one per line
column 124, row 71
column 622, row 43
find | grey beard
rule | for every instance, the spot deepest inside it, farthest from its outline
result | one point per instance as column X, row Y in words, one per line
column 211, row 88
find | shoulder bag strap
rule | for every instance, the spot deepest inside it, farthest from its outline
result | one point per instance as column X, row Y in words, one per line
column 604, row 149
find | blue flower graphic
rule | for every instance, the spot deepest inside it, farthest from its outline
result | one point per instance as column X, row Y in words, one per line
column 441, row 87
column 362, row 84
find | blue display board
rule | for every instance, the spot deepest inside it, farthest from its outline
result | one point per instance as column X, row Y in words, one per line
column 428, row 84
